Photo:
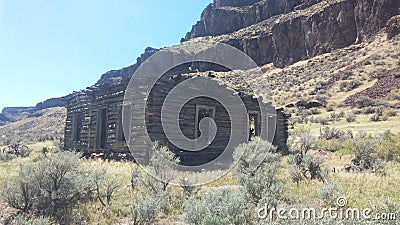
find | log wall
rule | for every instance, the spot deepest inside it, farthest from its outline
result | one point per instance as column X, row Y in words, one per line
column 84, row 107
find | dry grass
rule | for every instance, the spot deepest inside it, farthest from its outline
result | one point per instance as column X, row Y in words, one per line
column 361, row 189
column 362, row 124
column 45, row 125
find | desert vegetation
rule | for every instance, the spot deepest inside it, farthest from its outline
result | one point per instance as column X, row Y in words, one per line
column 56, row 187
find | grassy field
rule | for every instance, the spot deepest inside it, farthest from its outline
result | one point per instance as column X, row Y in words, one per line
column 362, row 124
column 361, row 190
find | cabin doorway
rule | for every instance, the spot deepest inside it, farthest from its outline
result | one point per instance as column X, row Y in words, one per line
column 101, row 129
column 202, row 112
column 254, row 125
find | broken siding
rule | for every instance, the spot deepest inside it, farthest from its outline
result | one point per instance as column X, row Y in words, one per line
column 109, row 97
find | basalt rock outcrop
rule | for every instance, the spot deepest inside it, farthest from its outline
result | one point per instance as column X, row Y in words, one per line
column 284, row 32
column 52, row 102
column 393, row 27
column 127, row 72
column 224, row 16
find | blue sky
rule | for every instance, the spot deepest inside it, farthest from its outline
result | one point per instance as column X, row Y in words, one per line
column 51, row 48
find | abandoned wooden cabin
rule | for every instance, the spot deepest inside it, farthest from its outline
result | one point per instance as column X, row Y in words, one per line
column 94, row 119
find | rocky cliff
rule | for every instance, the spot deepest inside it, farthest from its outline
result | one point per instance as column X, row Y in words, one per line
column 50, row 103
column 285, row 32
column 126, row 72
column 223, row 16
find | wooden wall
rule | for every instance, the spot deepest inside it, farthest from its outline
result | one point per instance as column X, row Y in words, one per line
column 83, row 111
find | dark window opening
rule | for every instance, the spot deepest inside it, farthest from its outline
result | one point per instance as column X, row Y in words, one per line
column 254, row 125
column 201, row 113
column 76, row 127
column 126, row 111
column 101, row 129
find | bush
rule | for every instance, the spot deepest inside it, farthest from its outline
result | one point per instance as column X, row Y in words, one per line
column 366, row 157
column 389, row 149
column 329, row 108
column 303, row 140
column 159, row 168
column 323, row 121
column 6, row 157
column 50, row 186
column 350, row 117
column 153, row 195
column 189, row 190
column 306, row 167
column 104, row 186
column 336, row 116
column 25, row 151
column 21, row 220
column 145, row 210
column 328, row 194
column 256, row 171
column 347, row 86
column 375, row 118
column 391, row 113
column 364, row 101
column 220, row 207
column 332, row 133
column 371, row 110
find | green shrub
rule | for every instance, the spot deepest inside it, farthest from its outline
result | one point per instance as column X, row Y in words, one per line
column 389, row 149
column 159, row 168
column 303, row 140
column 351, row 117
column 189, row 190
column 323, row 121
column 328, row 194
column 153, row 194
column 366, row 156
column 45, row 151
column 372, row 110
column 6, row 157
column 21, row 220
column 256, row 169
column 104, row 185
column 332, row 133
column 145, row 210
column 223, row 206
column 364, row 101
column 347, row 86
column 50, row 186
column 375, row 118
column 306, row 167
column 25, row 151
column 391, row 113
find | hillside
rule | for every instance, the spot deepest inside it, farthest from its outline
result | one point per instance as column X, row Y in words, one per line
column 286, row 32
column 45, row 124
